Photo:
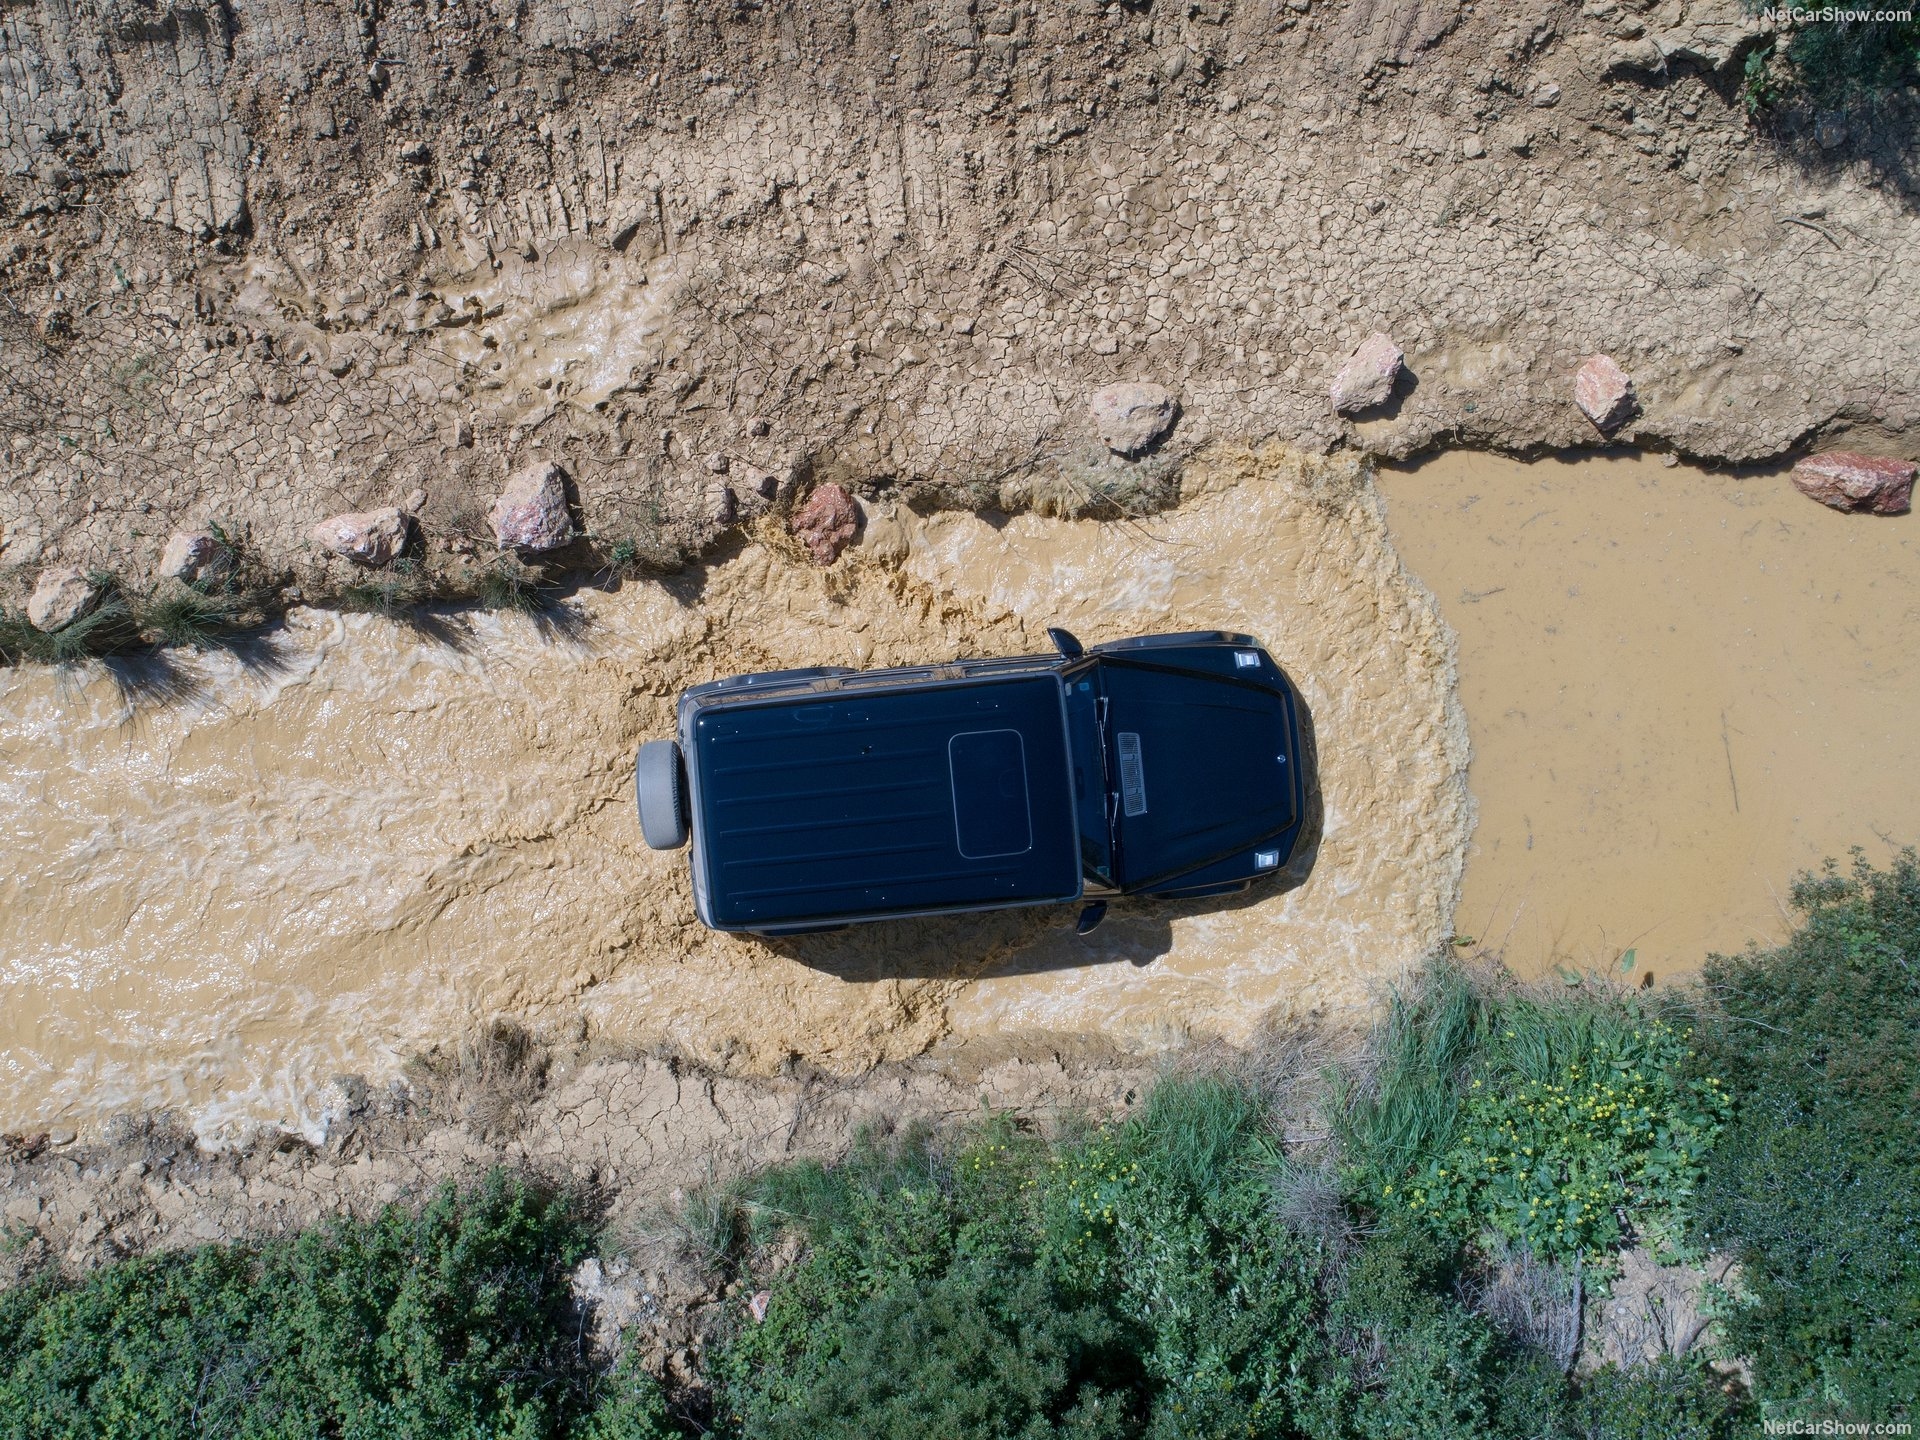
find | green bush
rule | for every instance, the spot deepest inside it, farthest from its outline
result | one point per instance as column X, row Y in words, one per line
column 629, row 1406
column 1578, row 1117
column 452, row 1321
column 1552, row 1124
column 1815, row 1185
column 979, row 1351
column 1670, row 1399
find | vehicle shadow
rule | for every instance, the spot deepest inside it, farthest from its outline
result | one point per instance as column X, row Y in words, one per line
column 994, row 943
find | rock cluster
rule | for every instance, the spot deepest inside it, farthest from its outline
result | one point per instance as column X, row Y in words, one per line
column 826, row 523
column 62, row 595
column 1132, row 415
column 531, row 512
column 1604, row 393
column 1368, row 377
column 366, row 537
column 1847, row 481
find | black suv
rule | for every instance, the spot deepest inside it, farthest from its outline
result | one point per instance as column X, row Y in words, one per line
column 1166, row 765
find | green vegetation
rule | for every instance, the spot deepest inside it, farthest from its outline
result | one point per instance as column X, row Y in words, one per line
column 448, row 1322
column 1180, row 1273
column 1577, row 1116
column 215, row 612
column 1832, row 62
column 109, row 628
column 1815, row 1186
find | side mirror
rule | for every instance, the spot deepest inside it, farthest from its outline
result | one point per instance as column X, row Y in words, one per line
column 1064, row 642
column 1090, row 918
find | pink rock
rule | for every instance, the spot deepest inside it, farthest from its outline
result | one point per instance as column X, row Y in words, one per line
column 367, row 537
column 1604, row 392
column 1367, row 379
column 1132, row 415
column 1847, row 481
column 192, row 555
column 61, row 596
column 826, row 523
column 531, row 513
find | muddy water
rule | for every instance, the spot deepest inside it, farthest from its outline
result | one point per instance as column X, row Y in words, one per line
column 1682, row 688
column 392, row 835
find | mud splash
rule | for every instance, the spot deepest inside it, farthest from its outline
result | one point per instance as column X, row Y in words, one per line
column 220, row 904
column 1683, row 688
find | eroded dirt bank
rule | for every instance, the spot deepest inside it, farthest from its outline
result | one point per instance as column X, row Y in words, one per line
column 382, row 837
column 265, row 262
column 1683, row 688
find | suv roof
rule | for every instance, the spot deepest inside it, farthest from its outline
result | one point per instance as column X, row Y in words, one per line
column 813, row 807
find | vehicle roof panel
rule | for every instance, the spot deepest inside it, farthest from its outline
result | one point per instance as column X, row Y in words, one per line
column 827, row 806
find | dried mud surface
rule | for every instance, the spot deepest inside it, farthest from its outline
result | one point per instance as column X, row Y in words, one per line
column 265, row 262
column 379, row 837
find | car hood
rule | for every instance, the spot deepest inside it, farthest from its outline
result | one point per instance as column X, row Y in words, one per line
column 1204, row 765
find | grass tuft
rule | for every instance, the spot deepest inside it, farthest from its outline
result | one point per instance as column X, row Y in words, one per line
column 192, row 617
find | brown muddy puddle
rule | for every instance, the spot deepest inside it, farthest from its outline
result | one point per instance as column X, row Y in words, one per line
column 1682, row 687
column 218, row 903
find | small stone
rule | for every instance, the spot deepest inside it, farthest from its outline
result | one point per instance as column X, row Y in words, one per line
column 1473, row 147
column 60, row 1135
column 826, row 523
column 767, row 486
column 531, row 513
column 1132, row 415
column 194, row 555
column 757, row 427
column 758, row 1305
column 1604, row 393
column 1848, row 481
column 415, row 502
column 1546, row 95
column 1830, row 130
column 723, row 505
column 366, row 537
column 61, row 596
column 717, row 462
column 1640, row 56
column 416, row 152
column 1368, row 377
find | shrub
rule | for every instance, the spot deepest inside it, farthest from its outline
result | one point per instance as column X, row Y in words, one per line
column 1669, row 1399
column 979, row 1351
column 1578, row 1120
column 628, row 1406
column 1815, row 1185
column 450, row 1321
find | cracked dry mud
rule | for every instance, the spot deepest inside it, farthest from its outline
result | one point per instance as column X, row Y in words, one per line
column 270, row 262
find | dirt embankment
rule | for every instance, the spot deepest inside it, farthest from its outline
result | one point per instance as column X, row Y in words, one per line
column 263, row 263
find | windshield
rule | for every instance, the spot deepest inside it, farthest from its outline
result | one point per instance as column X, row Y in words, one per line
column 1090, row 783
